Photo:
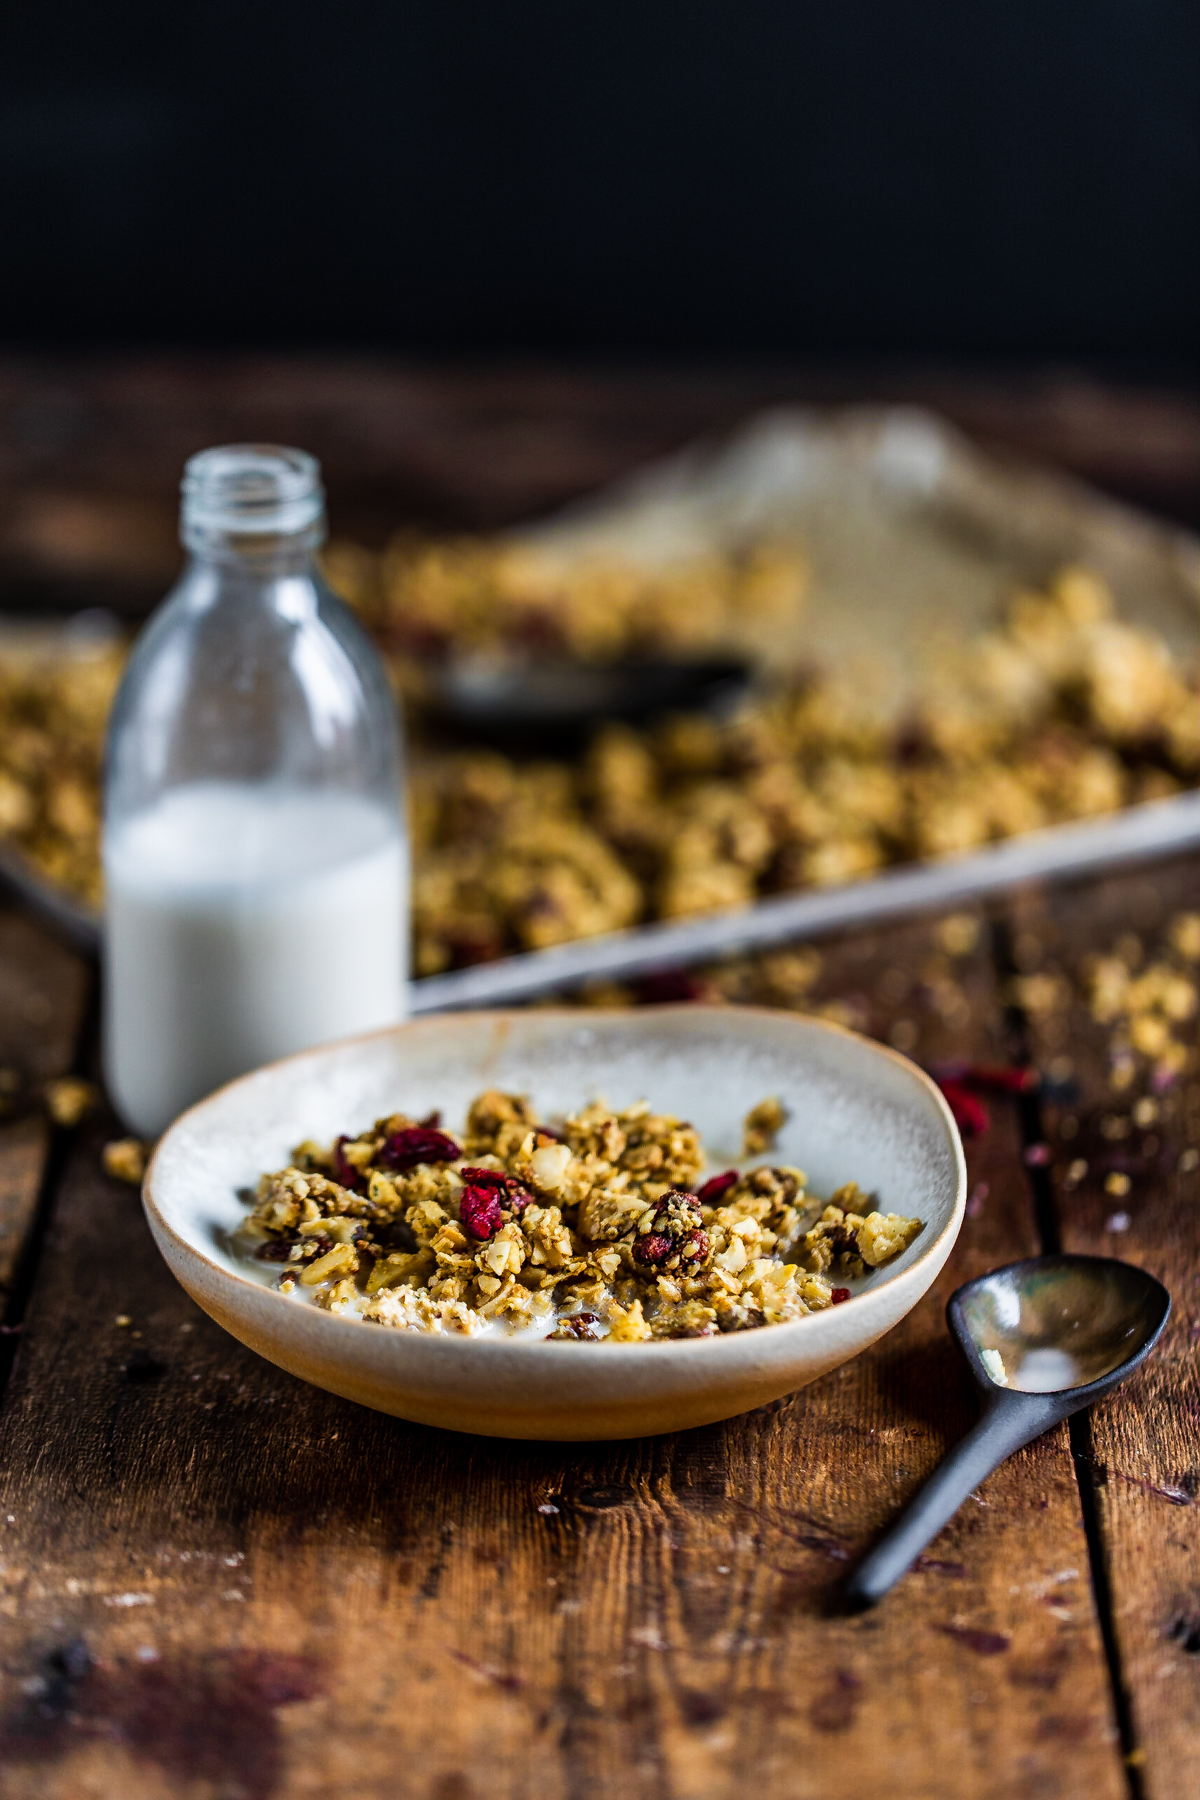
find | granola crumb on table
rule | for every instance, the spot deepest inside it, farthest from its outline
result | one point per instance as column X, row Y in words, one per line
column 125, row 1160
column 598, row 1229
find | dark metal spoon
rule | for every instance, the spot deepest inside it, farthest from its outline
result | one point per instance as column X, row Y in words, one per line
column 551, row 702
column 1065, row 1330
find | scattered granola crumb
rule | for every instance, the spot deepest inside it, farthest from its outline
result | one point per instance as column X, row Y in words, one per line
column 958, row 933
column 125, row 1160
column 762, row 1126
column 1183, row 935
column 68, row 1098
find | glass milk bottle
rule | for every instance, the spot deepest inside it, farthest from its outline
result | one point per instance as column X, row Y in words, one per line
column 255, row 856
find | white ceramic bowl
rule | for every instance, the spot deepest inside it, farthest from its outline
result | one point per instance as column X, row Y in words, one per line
column 856, row 1112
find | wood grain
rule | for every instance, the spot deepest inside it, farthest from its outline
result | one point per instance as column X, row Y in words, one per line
column 219, row 1582
column 43, row 991
column 1144, row 1440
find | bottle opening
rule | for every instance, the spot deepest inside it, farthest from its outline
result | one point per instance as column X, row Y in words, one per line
column 263, row 489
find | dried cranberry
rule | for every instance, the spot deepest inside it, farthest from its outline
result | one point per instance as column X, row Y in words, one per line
column 508, row 1189
column 417, row 1144
column 276, row 1250
column 839, row 1294
column 970, row 1114
column 344, row 1170
column 669, row 986
column 715, row 1186
column 694, row 1247
column 652, row 1247
column 479, row 1210
column 988, row 1076
column 486, row 1193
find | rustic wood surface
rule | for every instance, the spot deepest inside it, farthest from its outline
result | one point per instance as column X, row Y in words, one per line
column 1140, row 1451
column 43, row 991
column 218, row 1584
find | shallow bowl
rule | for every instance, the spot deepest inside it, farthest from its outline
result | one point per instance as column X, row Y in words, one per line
column 856, row 1112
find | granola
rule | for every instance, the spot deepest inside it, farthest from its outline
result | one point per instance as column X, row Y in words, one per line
column 1062, row 712
column 596, row 1229
column 425, row 597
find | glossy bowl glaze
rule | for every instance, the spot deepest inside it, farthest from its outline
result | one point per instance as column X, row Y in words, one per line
column 857, row 1112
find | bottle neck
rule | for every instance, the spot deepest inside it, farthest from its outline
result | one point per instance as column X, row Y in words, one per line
column 259, row 556
column 257, row 507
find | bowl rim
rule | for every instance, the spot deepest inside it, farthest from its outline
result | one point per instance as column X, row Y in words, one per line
column 516, row 1343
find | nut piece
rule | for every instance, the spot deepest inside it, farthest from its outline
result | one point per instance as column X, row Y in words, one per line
column 883, row 1235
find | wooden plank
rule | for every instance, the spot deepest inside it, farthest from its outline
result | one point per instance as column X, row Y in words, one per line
column 43, row 991
column 1144, row 1440
column 218, row 1581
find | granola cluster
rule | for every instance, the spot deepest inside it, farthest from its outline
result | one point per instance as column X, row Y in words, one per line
column 53, row 712
column 1149, row 1003
column 596, row 1229
column 1063, row 712
column 426, row 598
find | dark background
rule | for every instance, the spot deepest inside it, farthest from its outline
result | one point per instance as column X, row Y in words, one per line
column 597, row 178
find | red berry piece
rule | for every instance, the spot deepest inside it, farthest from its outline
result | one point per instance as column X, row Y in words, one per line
column 479, row 1210
column 652, row 1248
column 839, row 1295
column 417, row 1144
column 989, row 1077
column 970, row 1114
column 486, row 1195
column 715, row 1186
column 508, row 1189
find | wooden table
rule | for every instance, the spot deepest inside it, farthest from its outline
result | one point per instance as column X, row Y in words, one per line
column 219, row 1584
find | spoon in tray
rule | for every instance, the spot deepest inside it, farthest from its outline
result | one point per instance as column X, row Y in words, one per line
column 1043, row 1339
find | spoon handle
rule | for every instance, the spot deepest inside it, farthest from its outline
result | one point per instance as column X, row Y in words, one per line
column 1004, row 1427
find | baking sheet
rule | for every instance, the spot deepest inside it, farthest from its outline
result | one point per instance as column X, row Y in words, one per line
column 1158, row 828
column 915, row 539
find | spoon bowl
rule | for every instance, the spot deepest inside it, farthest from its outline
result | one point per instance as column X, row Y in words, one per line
column 1042, row 1338
column 1058, row 1324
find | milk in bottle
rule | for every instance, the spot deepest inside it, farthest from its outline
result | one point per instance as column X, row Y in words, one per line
column 256, row 864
